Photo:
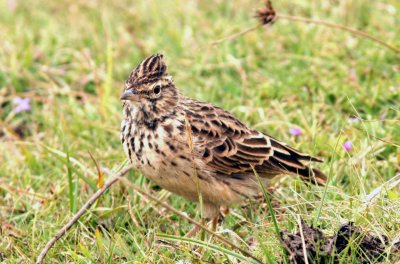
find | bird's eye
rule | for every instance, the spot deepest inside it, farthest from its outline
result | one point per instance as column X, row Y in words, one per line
column 157, row 89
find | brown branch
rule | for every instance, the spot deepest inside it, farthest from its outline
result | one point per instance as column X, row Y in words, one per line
column 84, row 208
column 106, row 186
column 303, row 241
column 236, row 35
column 192, row 221
column 266, row 15
column 338, row 26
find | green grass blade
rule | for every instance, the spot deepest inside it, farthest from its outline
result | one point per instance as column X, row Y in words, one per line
column 326, row 187
column 206, row 245
column 71, row 186
column 270, row 209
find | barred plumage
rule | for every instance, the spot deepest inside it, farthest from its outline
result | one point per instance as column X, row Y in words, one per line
column 155, row 137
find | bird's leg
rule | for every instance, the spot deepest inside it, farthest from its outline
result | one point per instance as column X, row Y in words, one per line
column 224, row 211
column 211, row 213
column 193, row 231
column 211, row 216
column 215, row 223
column 219, row 218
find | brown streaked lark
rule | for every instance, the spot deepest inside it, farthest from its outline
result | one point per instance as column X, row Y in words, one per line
column 190, row 147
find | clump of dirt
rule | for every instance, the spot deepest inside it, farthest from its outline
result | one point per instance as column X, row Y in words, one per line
column 367, row 247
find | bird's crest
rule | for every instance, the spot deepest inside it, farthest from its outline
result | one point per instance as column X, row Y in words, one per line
column 149, row 70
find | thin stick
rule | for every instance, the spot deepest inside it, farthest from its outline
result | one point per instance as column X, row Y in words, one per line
column 314, row 21
column 169, row 208
column 236, row 35
column 303, row 242
column 190, row 143
column 106, row 186
column 84, row 208
column 338, row 26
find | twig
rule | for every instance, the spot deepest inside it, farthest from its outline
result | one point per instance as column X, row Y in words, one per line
column 190, row 144
column 236, row 35
column 338, row 26
column 196, row 178
column 169, row 208
column 266, row 16
column 106, row 186
column 303, row 242
column 84, row 208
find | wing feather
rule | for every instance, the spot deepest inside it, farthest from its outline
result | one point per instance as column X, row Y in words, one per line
column 230, row 148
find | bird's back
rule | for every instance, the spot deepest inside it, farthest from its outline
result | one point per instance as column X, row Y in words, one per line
column 230, row 149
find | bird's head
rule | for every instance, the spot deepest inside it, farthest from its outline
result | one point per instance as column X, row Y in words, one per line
column 149, row 88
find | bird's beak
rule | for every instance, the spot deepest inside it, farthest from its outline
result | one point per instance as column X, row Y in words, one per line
column 129, row 95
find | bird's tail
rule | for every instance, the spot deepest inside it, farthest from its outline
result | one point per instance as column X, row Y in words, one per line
column 316, row 177
column 294, row 162
column 309, row 175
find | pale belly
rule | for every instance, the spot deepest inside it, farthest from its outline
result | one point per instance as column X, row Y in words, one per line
column 166, row 159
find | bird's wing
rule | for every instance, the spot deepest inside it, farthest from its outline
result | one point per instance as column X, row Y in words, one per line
column 228, row 147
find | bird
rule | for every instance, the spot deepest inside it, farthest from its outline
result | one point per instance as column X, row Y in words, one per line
column 197, row 150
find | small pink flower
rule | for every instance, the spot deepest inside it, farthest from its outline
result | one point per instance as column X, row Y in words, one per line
column 394, row 89
column 22, row 104
column 347, row 146
column 353, row 75
column 12, row 5
column 295, row 131
column 353, row 120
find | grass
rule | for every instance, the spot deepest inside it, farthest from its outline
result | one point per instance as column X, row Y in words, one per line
column 71, row 59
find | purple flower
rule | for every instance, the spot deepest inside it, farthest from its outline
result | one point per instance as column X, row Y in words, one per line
column 353, row 120
column 12, row 5
column 22, row 104
column 394, row 89
column 295, row 131
column 347, row 146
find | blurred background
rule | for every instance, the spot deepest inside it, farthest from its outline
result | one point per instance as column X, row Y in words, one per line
column 322, row 90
